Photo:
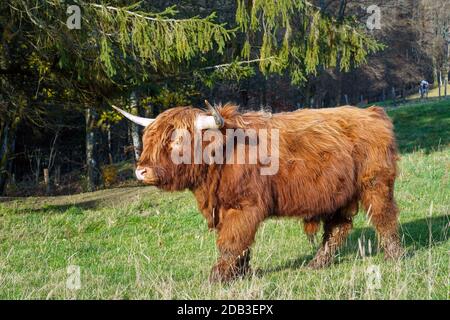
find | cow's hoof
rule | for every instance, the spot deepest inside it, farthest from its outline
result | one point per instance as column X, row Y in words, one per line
column 221, row 274
column 393, row 251
column 320, row 261
column 225, row 272
column 315, row 264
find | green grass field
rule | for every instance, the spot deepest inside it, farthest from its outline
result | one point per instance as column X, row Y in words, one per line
column 140, row 243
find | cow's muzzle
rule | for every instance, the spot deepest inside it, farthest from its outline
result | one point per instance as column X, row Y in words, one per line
column 147, row 175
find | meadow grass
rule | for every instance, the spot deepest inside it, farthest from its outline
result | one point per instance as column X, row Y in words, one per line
column 141, row 243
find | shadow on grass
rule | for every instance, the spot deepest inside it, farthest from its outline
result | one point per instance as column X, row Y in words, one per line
column 77, row 207
column 416, row 235
column 52, row 208
column 49, row 209
column 60, row 204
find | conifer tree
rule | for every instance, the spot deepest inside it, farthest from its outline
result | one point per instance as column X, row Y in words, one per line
column 298, row 37
column 116, row 45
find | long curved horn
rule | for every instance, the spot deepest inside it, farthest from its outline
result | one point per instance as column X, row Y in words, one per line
column 215, row 121
column 138, row 120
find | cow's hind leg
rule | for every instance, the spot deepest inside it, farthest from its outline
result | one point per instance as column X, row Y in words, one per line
column 236, row 233
column 379, row 203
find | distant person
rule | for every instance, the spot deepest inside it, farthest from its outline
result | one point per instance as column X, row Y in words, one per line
column 423, row 89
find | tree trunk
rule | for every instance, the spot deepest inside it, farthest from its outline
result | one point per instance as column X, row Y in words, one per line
column 57, row 175
column 445, row 88
column 440, row 83
column 47, row 181
column 341, row 13
column 307, row 93
column 394, row 96
column 7, row 148
column 110, row 156
column 93, row 172
column 4, row 156
column 338, row 96
column 342, row 7
column 38, row 168
column 263, row 93
column 135, row 130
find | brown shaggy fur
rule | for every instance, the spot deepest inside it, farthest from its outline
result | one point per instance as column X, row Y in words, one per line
column 330, row 161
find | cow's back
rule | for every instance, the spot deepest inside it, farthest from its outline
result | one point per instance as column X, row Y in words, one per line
column 323, row 153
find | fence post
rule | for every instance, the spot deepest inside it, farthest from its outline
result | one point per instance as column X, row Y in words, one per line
column 346, row 99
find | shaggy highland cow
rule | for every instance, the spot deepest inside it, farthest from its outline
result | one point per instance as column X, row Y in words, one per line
column 330, row 160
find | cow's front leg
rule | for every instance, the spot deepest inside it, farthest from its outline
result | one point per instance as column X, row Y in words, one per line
column 236, row 233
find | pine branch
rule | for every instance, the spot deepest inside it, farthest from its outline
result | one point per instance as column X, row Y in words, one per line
column 146, row 17
column 224, row 65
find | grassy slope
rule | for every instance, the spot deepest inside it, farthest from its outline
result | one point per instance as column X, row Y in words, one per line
column 141, row 243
